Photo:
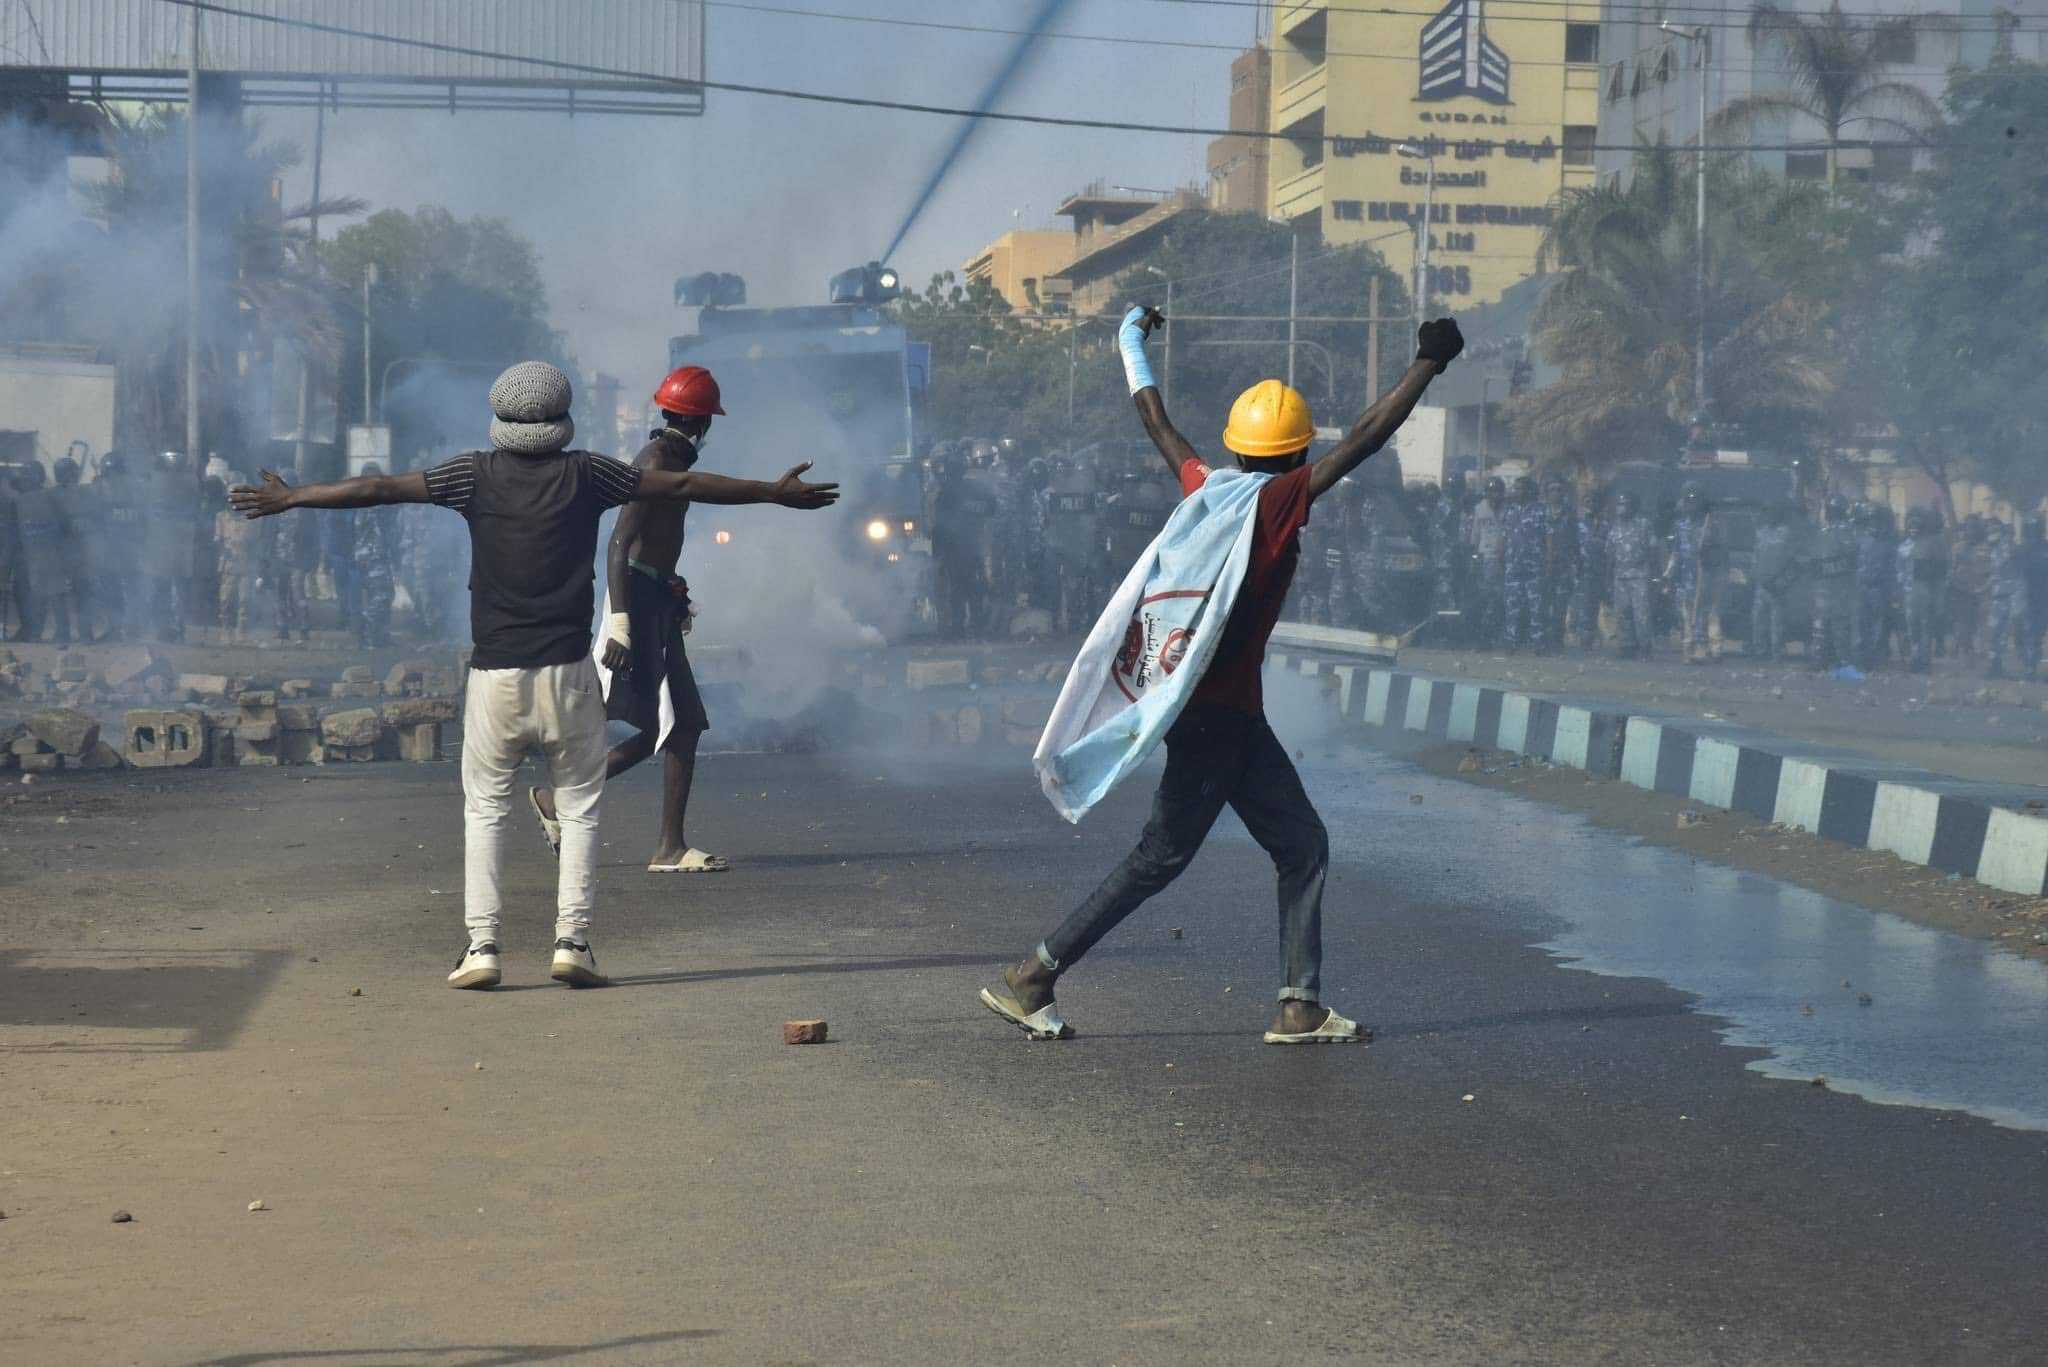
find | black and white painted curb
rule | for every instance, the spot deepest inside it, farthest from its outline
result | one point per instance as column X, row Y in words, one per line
column 1997, row 834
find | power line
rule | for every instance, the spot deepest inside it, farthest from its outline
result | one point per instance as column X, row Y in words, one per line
column 784, row 11
column 1660, row 11
column 907, row 106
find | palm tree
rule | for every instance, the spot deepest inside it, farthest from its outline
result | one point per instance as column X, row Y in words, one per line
column 1836, row 72
column 1620, row 318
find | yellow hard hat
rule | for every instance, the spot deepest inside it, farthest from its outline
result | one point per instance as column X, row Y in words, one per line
column 1269, row 419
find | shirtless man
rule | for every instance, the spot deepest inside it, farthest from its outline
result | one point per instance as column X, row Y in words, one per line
column 648, row 614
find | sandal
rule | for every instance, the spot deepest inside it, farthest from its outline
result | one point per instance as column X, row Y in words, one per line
column 1334, row 1030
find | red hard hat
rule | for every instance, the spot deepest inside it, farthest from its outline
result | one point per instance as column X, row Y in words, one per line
column 689, row 391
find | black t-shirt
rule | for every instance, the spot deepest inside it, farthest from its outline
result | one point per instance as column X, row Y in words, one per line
column 533, row 539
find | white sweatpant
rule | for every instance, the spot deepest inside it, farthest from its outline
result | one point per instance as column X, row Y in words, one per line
column 558, row 710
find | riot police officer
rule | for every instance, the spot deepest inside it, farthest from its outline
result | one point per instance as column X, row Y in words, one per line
column 2010, row 603
column 1876, row 580
column 1522, row 579
column 1632, row 559
column 1923, row 568
column 170, row 539
column 1590, row 585
column 43, row 574
column 1771, row 572
column 1694, row 569
column 2034, row 573
column 1487, row 536
column 959, row 521
column 1560, row 559
column 1834, row 588
column 1077, row 544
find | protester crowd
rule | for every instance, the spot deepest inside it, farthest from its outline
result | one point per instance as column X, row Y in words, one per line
column 147, row 549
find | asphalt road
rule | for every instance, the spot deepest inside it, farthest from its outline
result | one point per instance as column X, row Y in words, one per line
column 646, row 1174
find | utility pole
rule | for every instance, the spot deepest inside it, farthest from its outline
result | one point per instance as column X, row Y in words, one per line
column 192, row 441
column 1293, row 293
column 1372, row 338
column 369, row 279
column 1166, row 382
column 1428, row 160
column 301, row 455
column 1701, row 40
column 1073, row 332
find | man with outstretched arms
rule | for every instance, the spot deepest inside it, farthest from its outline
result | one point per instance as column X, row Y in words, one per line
column 649, row 683
column 532, row 506
column 1220, row 750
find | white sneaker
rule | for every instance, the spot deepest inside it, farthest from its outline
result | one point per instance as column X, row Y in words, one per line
column 478, row 967
column 576, row 965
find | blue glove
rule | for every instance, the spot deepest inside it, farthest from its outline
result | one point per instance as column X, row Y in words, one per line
column 1130, row 340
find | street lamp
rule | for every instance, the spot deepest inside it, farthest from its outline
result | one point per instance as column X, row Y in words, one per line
column 369, row 279
column 1166, row 385
column 1701, row 37
column 1428, row 160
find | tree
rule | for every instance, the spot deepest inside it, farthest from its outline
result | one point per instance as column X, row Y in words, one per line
column 456, row 300
column 1967, row 321
column 1621, row 319
column 1836, row 68
column 998, row 374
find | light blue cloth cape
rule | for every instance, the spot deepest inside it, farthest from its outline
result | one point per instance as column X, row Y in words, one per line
column 1151, row 646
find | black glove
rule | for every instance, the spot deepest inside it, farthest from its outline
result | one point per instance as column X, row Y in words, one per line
column 1439, row 342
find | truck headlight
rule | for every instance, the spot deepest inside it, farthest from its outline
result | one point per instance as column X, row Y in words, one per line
column 878, row 530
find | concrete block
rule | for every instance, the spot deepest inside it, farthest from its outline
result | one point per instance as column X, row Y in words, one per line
column 1941, row 823
column 971, row 725
column 254, row 699
column 420, row 743
column 299, row 716
column 1475, row 714
column 803, row 1032
column 356, row 688
column 25, row 745
column 1657, row 756
column 256, row 757
column 1735, row 776
column 921, row 674
column 101, row 756
column 350, row 754
column 349, row 730
column 203, row 685
column 1350, row 695
column 65, row 730
column 297, row 688
column 2015, row 855
column 1386, row 698
column 220, row 746
column 301, row 747
column 403, row 673
column 1588, row 739
column 1819, row 796
column 159, row 739
column 418, row 711
column 257, row 732
column 357, row 674
column 1528, row 725
column 1031, row 712
column 47, row 762
column 1429, row 706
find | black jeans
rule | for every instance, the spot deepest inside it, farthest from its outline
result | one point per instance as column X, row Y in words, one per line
column 1218, row 756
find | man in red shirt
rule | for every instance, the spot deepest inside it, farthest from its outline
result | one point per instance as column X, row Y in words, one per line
column 1221, row 751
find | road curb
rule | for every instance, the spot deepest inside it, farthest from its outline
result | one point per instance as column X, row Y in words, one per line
column 1994, row 833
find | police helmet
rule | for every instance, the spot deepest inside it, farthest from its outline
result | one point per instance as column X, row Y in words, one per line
column 1525, row 488
column 1496, row 486
column 1624, row 504
column 66, row 470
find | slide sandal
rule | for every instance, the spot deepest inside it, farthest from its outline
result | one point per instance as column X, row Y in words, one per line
column 550, row 828
column 1334, row 1030
column 1044, row 1023
column 694, row 861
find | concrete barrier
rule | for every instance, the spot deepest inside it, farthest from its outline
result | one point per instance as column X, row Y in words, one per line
column 1996, row 834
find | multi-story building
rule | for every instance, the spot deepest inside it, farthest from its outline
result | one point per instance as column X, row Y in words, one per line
column 1113, row 225
column 1497, row 103
column 1650, row 78
column 1238, row 164
column 1016, row 264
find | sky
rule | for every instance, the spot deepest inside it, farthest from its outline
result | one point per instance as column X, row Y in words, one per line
column 787, row 193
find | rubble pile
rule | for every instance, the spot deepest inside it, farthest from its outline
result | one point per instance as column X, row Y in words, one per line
column 189, row 720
